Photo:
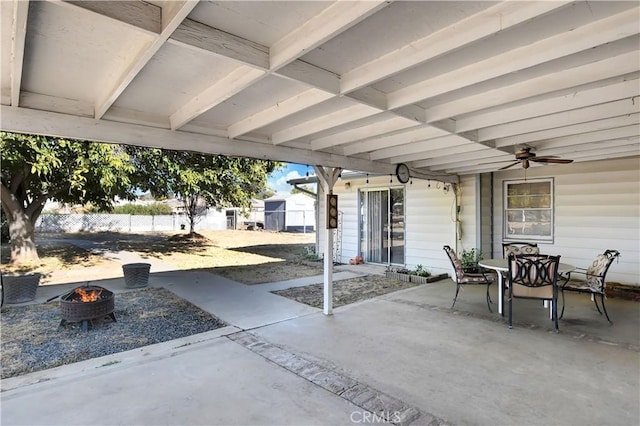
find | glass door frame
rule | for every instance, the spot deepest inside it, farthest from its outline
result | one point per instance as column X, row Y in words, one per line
column 364, row 239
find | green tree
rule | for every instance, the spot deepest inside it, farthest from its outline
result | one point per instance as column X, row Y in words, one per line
column 36, row 169
column 153, row 209
column 200, row 180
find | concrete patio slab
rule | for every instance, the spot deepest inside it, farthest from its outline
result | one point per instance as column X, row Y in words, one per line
column 406, row 349
column 469, row 370
column 219, row 382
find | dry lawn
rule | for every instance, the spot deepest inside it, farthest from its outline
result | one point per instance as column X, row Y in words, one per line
column 250, row 257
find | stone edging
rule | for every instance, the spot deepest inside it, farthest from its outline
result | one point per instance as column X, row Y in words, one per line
column 384, row 406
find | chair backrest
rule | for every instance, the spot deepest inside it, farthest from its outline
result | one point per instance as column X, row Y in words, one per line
column 517, row 247
column 533, row 276
column 597, row 271
column 457, row 265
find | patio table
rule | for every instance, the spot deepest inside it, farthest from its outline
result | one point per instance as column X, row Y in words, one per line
column 501, row 265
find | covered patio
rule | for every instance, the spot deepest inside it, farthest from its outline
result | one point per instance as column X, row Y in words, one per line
column 452, row 90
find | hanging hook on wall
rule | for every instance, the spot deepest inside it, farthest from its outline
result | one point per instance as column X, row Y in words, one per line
column 307, row 170
column 429, row 184
column 367, row 178
column 438, row 185
column 390, row 179
column 411, row 180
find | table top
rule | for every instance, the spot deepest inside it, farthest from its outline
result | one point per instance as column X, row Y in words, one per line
column 499, row 264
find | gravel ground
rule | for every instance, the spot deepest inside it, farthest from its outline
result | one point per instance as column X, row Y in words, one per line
column 345, row 291
column 32, row 339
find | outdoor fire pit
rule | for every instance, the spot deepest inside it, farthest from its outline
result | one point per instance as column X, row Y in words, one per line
column 86, row 303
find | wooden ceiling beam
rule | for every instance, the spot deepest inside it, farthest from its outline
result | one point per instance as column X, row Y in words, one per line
column 399, row 138
column 476, row 27
column 122, row 80
column 278, row 111
column 416, row 147
column 583, row 127
column 453, row 147
column 333, row 20
column 389, row 125
column 624, row 63
column 327, row 121
column 238, row 80
column 62, row 125
column 463, row 159
column 594, row 34
column 314, row 77
column 574, row 100
column 570, row 153
column 18, row 35
column 193, row 34
column 590, row 137
column 596, row 112
column 138, row 14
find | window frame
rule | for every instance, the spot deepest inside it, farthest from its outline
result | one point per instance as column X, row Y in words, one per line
column 526, row 237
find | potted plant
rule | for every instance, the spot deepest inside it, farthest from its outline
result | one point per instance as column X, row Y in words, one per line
column 20, row 284
column 470, row 259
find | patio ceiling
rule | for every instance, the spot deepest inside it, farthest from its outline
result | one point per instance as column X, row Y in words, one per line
column 450, row 88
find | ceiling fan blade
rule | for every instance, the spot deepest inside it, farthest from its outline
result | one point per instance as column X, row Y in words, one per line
column 509, row 166
column 551, row 160
column 543, row 157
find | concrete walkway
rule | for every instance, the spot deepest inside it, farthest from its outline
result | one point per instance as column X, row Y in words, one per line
column 404, row 357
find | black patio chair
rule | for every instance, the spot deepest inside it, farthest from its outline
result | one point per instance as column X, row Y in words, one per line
column 592, row 280
column 534, row 276
column 467, row 278
column 519, row 247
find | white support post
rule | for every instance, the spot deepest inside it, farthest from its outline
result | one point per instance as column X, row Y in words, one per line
column 327, row 177
column 327, row 306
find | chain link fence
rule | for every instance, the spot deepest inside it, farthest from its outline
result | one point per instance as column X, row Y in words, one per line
column 123, row 223
column 277, row 220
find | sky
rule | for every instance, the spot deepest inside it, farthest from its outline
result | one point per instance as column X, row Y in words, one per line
column 278, row 180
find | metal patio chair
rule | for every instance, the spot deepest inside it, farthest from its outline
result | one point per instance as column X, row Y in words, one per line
column 467, row 278
column 534, row 276
column 592, row 280
column 519, row 247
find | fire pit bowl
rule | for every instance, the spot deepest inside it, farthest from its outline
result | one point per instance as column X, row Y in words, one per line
column 86, row 303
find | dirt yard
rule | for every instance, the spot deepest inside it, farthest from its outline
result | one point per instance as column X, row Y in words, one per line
column 250, row 257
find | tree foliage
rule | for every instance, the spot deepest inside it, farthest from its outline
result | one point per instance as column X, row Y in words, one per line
column 200, row 180
column 36, row 169
column 152, row 209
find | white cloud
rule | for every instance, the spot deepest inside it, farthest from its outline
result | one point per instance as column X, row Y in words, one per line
column 280, row 185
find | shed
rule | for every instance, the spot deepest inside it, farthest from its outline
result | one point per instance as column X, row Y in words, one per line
column 292, row 213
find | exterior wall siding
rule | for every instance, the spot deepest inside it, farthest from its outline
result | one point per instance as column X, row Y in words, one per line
column 597, row 207
column 429, row 214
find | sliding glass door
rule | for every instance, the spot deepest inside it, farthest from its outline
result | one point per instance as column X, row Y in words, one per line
column 382, row 225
